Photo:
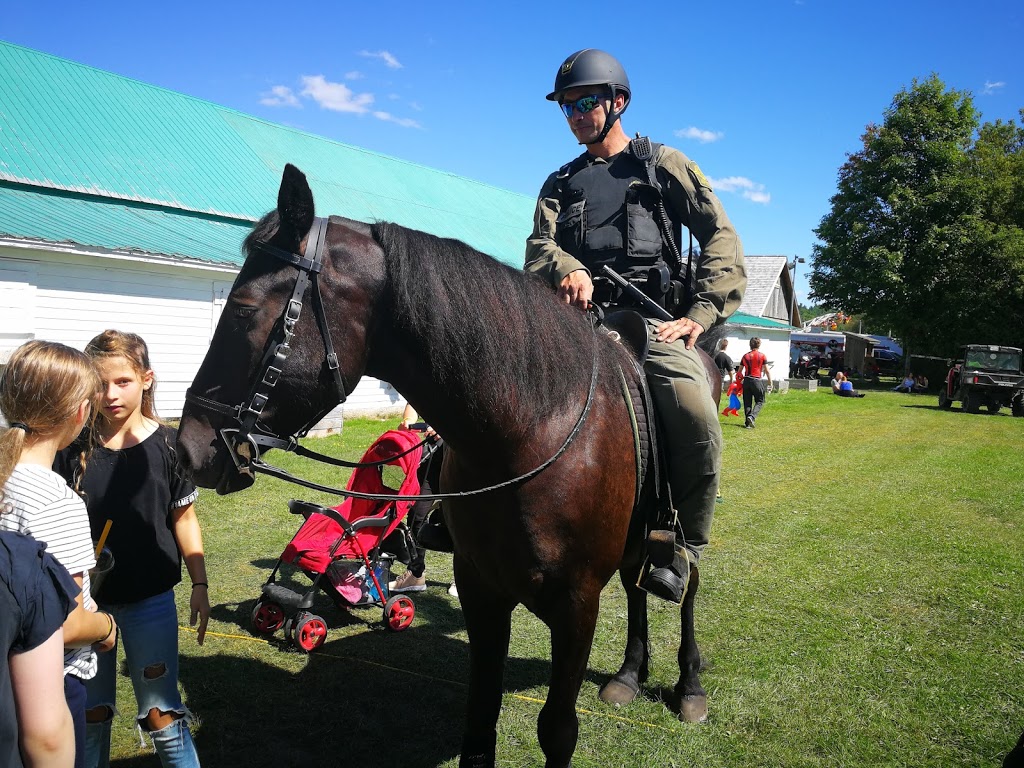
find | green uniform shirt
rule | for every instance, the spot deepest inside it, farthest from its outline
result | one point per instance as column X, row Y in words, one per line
column 720, row 270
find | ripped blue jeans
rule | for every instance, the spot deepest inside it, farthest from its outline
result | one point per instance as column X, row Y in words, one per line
column 149, row 631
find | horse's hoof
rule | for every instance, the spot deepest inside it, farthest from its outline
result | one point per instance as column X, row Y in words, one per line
column 693, row 708
column 618, row 693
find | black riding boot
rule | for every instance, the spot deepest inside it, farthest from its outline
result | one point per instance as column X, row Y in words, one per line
column 670, row 571
column 434, row 534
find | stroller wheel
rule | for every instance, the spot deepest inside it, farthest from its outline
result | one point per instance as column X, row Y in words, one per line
column 310, row 632
column 399, row 612
column 267, row 617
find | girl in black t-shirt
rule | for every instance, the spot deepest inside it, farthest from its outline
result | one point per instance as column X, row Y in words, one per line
column 130, row 479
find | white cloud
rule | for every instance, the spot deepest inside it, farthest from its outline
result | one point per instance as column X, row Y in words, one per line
column 405, row 122
column 991, row 87
column 704, row 137
column 384, row 56
column 280, row 96
column 337, row 97
column 355, row 74
column 751, row 190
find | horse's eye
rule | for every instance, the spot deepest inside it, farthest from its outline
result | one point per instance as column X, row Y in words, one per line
column 244, row 313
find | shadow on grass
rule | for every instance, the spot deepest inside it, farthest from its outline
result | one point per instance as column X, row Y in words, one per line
column 371, row 698
column 1003, row 412
column 338, row 710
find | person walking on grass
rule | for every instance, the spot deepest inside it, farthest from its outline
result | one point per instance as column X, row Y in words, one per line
column 753, row 366
column 131, row 479
column 724, row 363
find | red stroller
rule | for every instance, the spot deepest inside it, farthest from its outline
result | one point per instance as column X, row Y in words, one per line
column 340, row 549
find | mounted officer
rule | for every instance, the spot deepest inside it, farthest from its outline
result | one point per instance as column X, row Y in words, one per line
column 623, row 204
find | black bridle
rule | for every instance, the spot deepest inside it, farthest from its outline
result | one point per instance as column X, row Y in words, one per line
column 247, row 429
column 246, row 415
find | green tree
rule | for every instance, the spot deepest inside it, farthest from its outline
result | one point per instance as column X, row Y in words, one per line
column 998, row 164
column 917, row 237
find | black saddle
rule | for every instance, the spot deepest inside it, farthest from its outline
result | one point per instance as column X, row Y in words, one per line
column 630, row 328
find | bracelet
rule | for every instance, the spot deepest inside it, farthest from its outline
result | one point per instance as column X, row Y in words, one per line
column 110, row 627
column 200, row 584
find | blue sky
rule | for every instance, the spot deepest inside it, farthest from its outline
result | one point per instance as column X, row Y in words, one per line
column 768, row 97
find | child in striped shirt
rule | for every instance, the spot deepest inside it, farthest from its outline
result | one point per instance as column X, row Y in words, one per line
column 46, row 396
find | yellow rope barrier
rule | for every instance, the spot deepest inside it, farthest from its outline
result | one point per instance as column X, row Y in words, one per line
column 327, row 654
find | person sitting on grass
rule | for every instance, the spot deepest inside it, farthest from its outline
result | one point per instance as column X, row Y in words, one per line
column 907, row 385
column 846, row 389
column 920, row 384
column 837, row 382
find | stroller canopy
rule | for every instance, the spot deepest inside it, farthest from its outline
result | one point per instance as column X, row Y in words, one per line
column 311, row 546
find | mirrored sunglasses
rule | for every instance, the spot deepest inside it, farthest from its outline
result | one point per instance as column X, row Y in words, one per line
column 583, row 105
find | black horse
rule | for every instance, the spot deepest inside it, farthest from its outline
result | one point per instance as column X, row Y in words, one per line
column 510, row 378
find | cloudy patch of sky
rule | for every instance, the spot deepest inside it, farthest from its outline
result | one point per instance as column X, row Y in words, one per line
column 741, row 185
column 699, row 134
column 336, row 97
column 387, row 58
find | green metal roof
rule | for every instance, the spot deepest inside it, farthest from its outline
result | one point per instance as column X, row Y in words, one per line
column 51, row 217
column 124, row 164
column 742, row 318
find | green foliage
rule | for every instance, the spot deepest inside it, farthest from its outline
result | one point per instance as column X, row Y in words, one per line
column 809, row 312
column 924, row 232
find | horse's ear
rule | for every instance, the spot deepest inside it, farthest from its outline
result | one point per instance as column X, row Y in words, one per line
column 295, row 202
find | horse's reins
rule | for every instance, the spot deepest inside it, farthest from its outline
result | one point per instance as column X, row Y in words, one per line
column 247, row 417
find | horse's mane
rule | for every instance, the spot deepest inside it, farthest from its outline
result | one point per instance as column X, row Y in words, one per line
column 492, row 329
column 485, row 322
column 263, row 230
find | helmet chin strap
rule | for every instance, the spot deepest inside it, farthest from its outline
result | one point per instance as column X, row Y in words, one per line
column 613, row 115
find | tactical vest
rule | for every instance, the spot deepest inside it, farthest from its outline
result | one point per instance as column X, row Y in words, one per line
column 608, row 215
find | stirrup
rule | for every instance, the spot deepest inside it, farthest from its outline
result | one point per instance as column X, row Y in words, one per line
column 670, row 567
column 667, row 584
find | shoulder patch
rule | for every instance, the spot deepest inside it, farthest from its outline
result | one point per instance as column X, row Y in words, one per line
column 698, row 174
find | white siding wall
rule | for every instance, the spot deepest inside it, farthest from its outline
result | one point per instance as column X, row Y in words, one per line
column 17, row 305
column 70, row 297
column 774, row 344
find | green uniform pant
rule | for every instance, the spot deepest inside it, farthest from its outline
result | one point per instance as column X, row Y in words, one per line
column 691, row 437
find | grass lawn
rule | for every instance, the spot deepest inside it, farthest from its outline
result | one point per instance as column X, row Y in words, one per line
column 861, row 604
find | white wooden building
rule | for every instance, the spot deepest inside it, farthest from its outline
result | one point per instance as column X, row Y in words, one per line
column 69, row 294
column 768, row 311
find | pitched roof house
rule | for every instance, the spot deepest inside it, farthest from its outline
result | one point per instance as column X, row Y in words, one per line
column 770, row 292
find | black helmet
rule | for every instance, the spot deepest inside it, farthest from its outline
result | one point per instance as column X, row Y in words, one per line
column 590, row 67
